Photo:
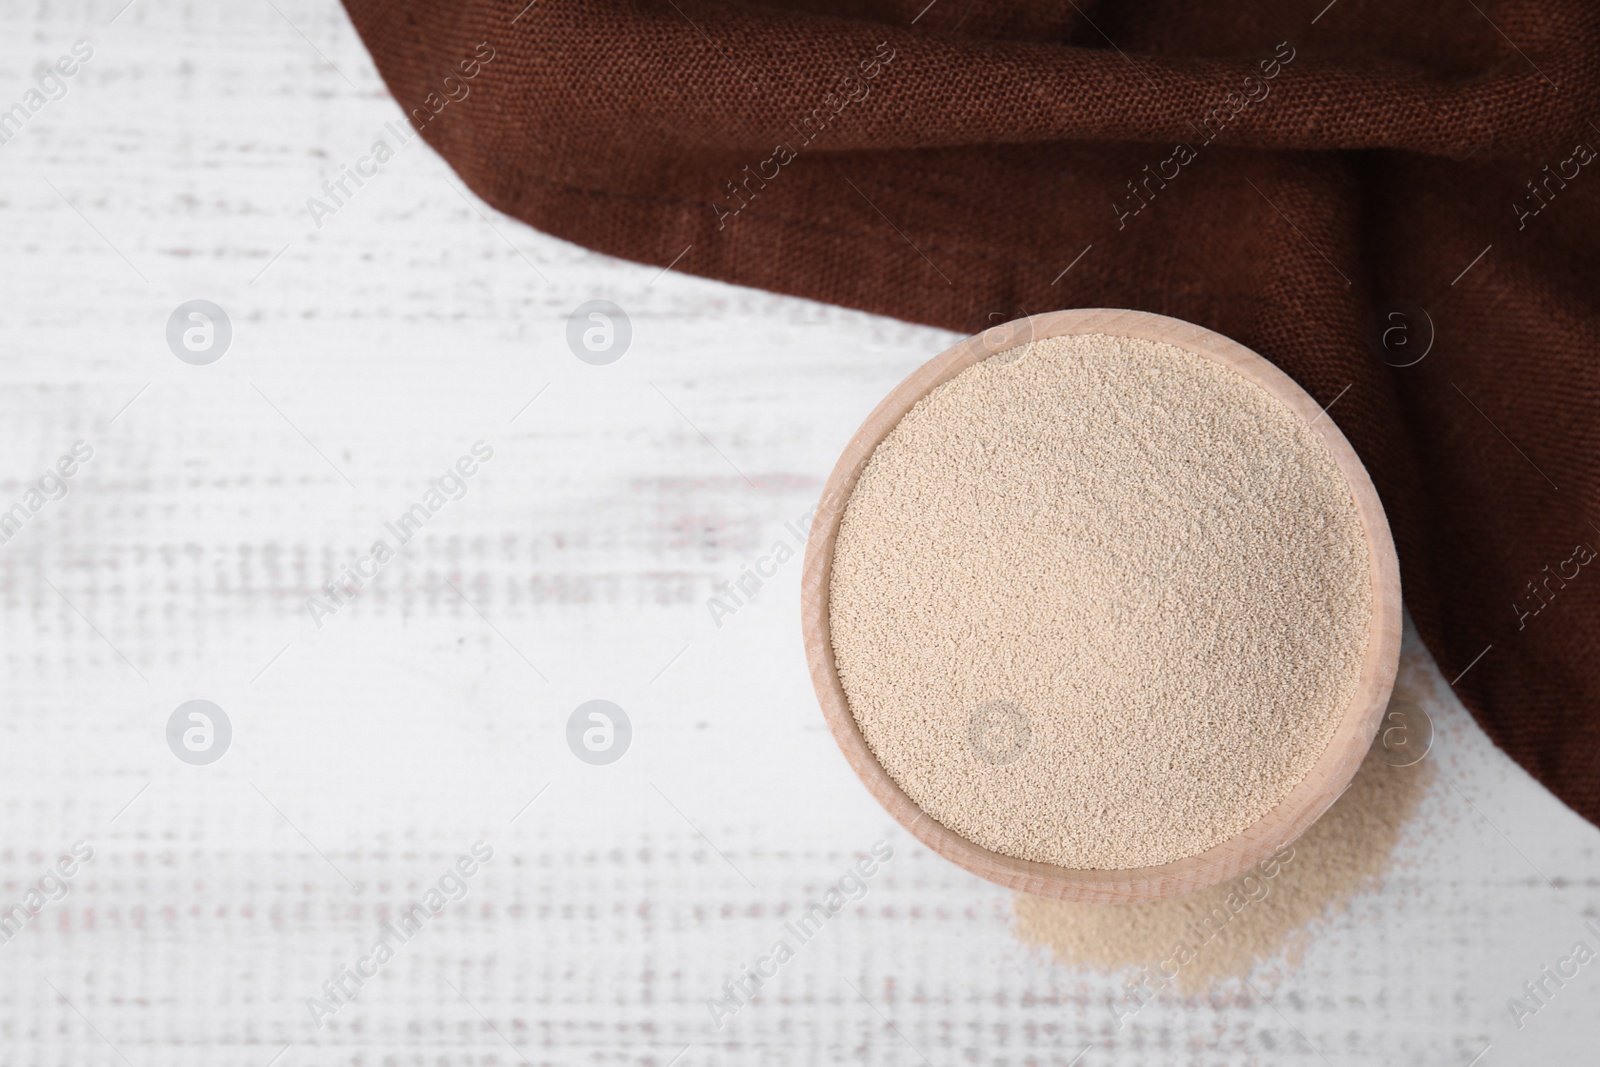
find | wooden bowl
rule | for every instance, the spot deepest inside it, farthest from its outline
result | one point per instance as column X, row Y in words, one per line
column 1327, row 778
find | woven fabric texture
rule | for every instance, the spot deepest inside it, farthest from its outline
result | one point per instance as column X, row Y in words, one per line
column 1397, row 204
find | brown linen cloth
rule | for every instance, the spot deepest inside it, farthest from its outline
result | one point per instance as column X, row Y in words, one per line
column 1396, row 203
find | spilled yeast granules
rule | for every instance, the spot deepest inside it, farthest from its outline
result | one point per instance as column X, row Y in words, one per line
column 1224, row 931
column 1099, row 602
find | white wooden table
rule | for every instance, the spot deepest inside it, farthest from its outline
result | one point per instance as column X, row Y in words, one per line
column 369, row 752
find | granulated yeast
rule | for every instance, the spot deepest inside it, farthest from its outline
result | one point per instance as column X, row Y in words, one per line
column 1099, row 602
column 1226, row 930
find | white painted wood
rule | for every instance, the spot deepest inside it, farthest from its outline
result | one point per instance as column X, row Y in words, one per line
column 381, row 745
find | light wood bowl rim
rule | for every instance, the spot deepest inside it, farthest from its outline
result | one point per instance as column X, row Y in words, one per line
column 1304, row 804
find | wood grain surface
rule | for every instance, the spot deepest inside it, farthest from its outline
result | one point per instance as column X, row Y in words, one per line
column 583, row 561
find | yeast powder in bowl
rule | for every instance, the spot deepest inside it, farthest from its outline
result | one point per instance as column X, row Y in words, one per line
column 1102, row 600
